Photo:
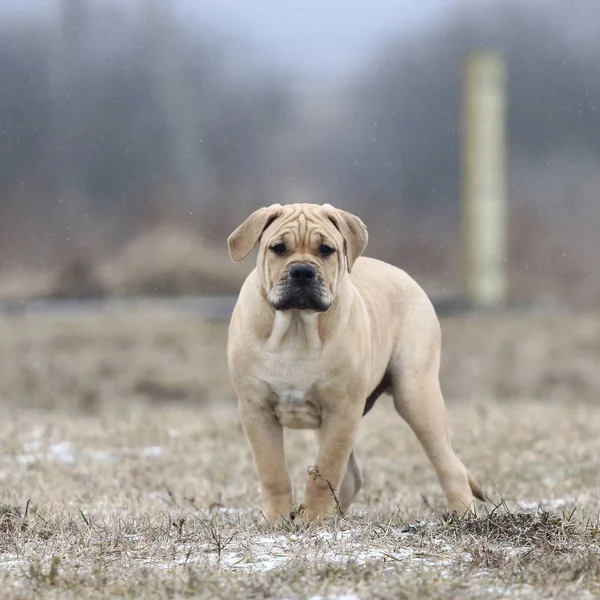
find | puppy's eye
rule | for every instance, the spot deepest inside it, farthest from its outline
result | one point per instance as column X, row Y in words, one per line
column 325, row 250
column 278, row 249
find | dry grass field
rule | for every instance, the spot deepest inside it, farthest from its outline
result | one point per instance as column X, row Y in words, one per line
column 124, row 471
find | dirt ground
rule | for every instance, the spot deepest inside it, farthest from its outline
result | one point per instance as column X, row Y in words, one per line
column 124, row 471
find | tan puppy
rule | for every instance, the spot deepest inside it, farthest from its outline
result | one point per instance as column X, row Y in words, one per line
column 316, row 336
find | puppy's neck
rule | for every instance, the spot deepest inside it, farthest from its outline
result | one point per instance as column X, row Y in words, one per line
column 308, row 329
column 301, row 326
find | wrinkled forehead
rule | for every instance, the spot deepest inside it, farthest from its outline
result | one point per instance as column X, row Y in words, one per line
column 302, row 225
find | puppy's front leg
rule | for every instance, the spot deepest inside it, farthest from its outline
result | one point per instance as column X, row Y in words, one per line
column 337, row 434
column 265, row 435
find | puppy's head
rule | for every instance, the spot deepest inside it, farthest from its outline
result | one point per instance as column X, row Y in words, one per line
column 305, row 250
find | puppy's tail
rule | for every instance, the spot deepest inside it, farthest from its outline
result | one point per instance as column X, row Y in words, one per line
column 475, row 488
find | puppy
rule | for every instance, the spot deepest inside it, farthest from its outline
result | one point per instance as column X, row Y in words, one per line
column 317, row 335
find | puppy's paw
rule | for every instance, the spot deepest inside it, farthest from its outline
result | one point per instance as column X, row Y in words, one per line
column 314, row 514
column 276, row 518
column 278, row 512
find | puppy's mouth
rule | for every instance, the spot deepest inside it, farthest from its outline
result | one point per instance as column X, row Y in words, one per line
column 290, row 295
column 301, row 301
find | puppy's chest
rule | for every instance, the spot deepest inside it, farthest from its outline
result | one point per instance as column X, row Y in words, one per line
column 292, row 366
column 293, row 381
column 292, row 376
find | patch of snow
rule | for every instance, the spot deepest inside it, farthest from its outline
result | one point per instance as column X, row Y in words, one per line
column 62, row 452
column 151, row 451
column 32, row 446
column 274, row 551
column 25, row 459
column 9, row 562
column 266, row 553
column 105, row 456
column 553, row 504
column 160, row 496
column 338, row 535
column 229, row 511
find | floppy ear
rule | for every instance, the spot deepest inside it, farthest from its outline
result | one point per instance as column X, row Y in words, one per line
column 353, row 230
column 242, row 241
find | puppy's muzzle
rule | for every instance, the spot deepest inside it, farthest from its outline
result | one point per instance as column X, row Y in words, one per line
column 301, row 290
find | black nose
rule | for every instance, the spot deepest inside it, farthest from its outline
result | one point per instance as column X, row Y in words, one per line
column 303, row 273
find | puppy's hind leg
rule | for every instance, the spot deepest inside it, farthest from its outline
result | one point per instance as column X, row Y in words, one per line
column 418, row 399
column 351, row 484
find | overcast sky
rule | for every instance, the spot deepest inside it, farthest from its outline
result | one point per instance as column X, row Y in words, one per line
column 324, row 35
column 327, row 34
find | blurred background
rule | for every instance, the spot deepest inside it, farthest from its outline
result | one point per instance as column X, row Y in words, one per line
column 136, row 134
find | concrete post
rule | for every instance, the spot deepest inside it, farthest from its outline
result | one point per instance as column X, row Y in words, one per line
column 484, row 204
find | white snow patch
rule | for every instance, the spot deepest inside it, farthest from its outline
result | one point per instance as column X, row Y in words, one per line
column 32, row 446
column 229, row 511
column 9, row 562
column 25, row 459
column 152, row 451
column 552, row 504
column 266, row 553
column 65, row 453
column 62, row 452
column 102, row 456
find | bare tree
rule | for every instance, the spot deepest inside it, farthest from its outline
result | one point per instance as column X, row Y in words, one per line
column 167, row 69
column 71, row 102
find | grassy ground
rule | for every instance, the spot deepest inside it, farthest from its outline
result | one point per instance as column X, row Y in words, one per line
column 124, row 471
